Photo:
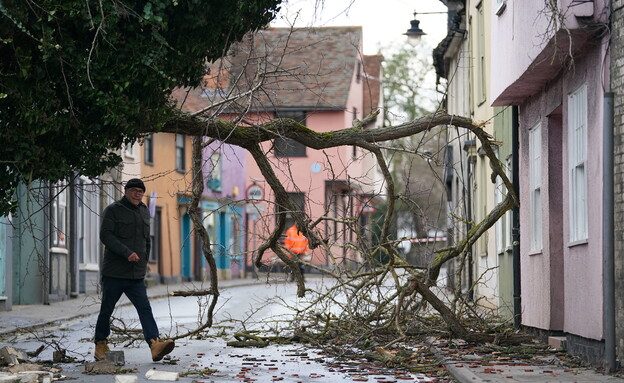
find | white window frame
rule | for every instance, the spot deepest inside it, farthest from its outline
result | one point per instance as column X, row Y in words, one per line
column 148, row 149
column 481, row 75
column 498, row 198
column 503, row 225
column 180, row 152
column 535, row 188
column 508, row 214
column 577, row 164
column 129, row 151
column 109, row 194
column 58, row 219
column 88, row 227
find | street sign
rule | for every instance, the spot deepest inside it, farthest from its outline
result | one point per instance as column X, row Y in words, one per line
column 255, row 193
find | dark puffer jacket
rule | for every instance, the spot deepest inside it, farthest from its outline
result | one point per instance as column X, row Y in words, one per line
column 125, row 230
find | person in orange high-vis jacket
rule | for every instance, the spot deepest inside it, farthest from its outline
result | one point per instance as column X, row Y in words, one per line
column 297, row 244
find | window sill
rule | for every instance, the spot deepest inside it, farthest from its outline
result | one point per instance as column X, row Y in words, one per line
column 580, row 242
column 59, row 250
column 89, row 267
column 535, row 252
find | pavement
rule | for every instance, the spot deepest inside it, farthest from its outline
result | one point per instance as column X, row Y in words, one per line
column 23, row 317
column 465, row 365
column 471, row 364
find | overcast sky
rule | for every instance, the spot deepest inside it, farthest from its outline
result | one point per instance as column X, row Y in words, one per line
column 383, row 21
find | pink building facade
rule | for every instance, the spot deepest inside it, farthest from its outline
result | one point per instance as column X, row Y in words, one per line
column 555, row 75
column 337, row 183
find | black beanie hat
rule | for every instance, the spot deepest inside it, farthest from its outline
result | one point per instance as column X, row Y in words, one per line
column 135, row 183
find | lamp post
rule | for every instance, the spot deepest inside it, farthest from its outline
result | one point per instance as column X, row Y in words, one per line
column 414, row 33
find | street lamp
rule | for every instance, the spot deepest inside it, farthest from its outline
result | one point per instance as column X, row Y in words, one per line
column 414, row 33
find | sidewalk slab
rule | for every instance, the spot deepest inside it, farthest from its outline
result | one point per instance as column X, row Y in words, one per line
column 470, row 372
column 478, row 363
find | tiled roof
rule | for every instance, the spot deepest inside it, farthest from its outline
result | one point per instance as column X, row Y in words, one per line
column 307, row 68
column 310, row 68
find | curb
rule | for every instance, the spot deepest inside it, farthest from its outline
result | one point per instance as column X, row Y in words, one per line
column 462, row 375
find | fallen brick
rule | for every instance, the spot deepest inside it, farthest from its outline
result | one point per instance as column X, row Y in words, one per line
column 117, row 357
column 24, row 367
column 34, row 377
column 12, row 355
column 101, row 367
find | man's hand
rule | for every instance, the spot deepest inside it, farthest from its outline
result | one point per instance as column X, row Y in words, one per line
column 133, row 257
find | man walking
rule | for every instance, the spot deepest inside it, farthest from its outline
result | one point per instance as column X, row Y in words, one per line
column 297, row 244
column 125, row 233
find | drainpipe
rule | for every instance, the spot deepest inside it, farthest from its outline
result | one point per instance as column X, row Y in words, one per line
column 73, row 236
column 515, row 217
column 607, row 235
column 46, row 201
column 470, row 169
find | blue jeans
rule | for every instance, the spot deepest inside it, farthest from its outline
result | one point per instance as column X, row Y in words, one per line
column 135, row 290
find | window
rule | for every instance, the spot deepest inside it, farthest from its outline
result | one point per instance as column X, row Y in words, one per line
column 129, row 151
column 109, row 193
column 535, row 184
column 286, row 147
column 498, row 198
column 480, row 54
column 58, row 219
column 180, row 152
column 508, row 214
column 214, row 176
column 577, row 158
column 503, row 226
column 148, row 149
column 155, row 236
column 88, row 227
column 299, row 200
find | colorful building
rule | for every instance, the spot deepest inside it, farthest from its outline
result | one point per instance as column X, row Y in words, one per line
column 165, row 169
column 317, row 78
column 325, row 92
column 556, row 76
column 463, row 58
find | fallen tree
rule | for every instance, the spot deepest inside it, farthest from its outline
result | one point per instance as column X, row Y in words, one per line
column 418, row 282
column 85, row 63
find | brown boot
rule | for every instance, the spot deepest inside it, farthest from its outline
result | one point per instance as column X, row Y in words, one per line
column 101, row 348
column 160, row 348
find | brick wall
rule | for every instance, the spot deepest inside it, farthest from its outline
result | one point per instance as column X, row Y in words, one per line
column 617, row 81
